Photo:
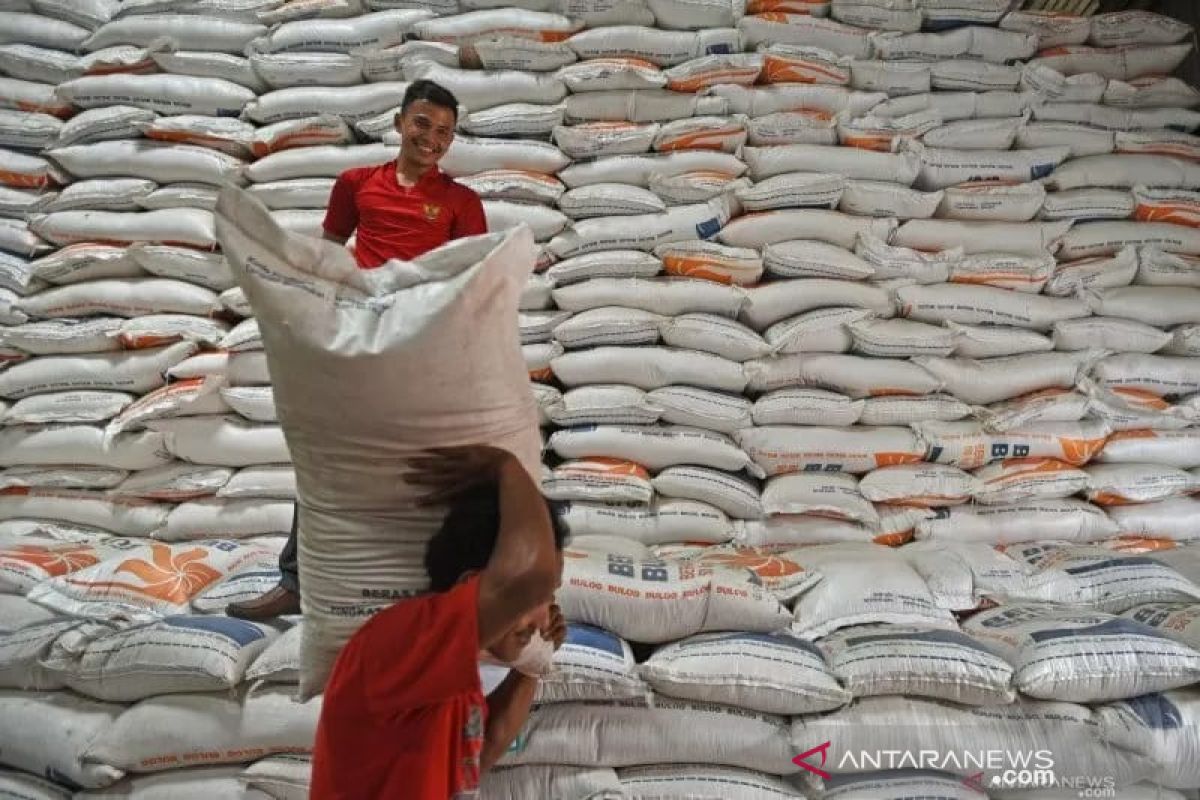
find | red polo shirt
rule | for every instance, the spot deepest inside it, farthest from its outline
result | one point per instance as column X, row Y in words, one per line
column 395, row 221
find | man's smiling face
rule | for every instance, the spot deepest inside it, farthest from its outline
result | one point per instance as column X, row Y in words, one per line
column 426, row 131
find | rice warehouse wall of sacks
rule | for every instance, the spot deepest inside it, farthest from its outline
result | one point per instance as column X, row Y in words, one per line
column 865, row 336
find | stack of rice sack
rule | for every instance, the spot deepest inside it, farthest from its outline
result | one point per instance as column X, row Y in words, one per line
column 864, row 333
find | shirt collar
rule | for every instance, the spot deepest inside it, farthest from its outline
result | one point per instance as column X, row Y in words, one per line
column 432, row 175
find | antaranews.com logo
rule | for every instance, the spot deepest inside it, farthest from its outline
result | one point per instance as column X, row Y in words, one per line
column 993, row 769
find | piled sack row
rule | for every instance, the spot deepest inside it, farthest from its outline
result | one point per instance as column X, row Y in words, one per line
column 818, row 280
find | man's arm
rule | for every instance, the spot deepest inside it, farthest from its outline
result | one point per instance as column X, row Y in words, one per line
column 341, row 218
column 508, row 708
column 470, row 219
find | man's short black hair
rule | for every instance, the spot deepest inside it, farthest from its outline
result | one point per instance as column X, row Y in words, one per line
column 467, row 537
column 431, row 92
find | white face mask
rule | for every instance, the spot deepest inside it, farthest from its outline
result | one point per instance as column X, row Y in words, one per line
column 535, row 659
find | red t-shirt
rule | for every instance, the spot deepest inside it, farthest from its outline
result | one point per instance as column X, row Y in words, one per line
column 395, row 221
column 404, row 713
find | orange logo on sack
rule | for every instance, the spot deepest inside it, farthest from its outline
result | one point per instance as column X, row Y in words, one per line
column 53, row 561
column 764, row 565
column 175, row 578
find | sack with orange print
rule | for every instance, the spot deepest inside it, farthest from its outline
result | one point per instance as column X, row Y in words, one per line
column 1015, row 479
column 726, row 134
column 1131, row 410
column 182, row 398
column 662, row 600
column 143, row 581
column 605, row 480
column 920, row 485
column 721, row 69
column 779, row 449
column 968, row 445
column 797, row 64
column 1123, row 484
column 711, row 261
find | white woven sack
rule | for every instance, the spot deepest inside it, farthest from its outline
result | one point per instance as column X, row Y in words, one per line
column 1019, row 238
column 48, row 733
column 743, row 670
column 157, row 161
column 736, row 496
column 911, row 661
column 664, row 520
column 906, row 409
column 200, row 32
column 701, row 408
column 179, row 654
column 84, row 445
column 805, row 406
column 668, row 296
column 1176, row 518
column 602, row 405
column 986, row 305
column 1159, row 306
column 862, row 583
column 1163, row 727
column 1087, row 657
column 918, row 485
column 164, row 93
column 174, row 482
column 1031, row 520
column 655, row 448
column 1118, row 484
column 733, row 783
column 1018, row 479
column 855, row 376
column 648, row 368
column 778, row 449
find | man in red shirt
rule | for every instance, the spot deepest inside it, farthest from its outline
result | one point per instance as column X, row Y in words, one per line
column 403, row 714
column 401, row 209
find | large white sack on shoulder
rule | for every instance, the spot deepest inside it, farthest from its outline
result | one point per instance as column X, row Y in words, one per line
column 894, row 594
column 854, row 376
column 655, row 448
column 655, row 600
column 1052, row 519
column 1019, row 479
column 648, row 368
column 1083, row 657
column 74, row 406
column 987, row 340
column 806, row 406
column 49, row 732
column 906, row 409
column 767, row 162
column 602, row 405
column 1176, row 518
column 1083, row 140
column 735, row 495
column 1124, row 28
column 805, row 31
column 1161, row 306
column 772, row 227
column 164, row 93
column 636, row 732
column 1125, row 171
column 222, row 441
column 924, row 485
column 1100, row 272
column 711, row 261
column 998, row 203
column 743, row 670
column 1109, row 333
column 1163, row 727
column 1028, row 238
column 968, row 444
column 666, row 296
column 898, row 338
column 911, row 660
column 779, row 449
column 663, row 521
column 637, row 169
column 984, row 381
column 822, row 330
column 157, row 161
column 714, row 334
column 135, row 371
column 264, row 720
column 985, row 305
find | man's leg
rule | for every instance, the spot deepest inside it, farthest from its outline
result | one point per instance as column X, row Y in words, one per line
column 284, row 598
